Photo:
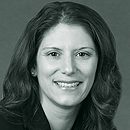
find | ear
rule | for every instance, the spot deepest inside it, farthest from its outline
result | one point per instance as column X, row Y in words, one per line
column 34, row 72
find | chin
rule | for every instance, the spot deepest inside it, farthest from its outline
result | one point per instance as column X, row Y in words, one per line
column 67, row 102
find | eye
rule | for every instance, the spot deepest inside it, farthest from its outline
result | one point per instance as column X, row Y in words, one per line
column 53, row 54
column 83, row 54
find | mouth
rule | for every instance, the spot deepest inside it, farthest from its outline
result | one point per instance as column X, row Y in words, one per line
column 67, row 84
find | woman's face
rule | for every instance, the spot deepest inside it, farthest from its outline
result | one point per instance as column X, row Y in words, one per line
column 66, row 65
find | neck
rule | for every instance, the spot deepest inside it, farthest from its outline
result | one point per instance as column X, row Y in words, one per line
column 59, row 117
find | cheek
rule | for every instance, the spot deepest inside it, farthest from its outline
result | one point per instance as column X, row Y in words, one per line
column 88, row 68
column 45, row 69
column 44, row 72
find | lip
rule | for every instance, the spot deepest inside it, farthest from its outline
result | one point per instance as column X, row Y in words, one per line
column 70, row 85
column 69, row 82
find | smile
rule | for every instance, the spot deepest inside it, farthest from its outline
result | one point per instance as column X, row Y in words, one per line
column 67, row 85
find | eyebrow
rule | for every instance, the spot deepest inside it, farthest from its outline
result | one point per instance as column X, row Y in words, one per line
column 55, row 48
column 86, row 48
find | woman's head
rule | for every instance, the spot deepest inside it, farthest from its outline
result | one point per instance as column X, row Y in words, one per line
column 20, row 83
column 66, row 64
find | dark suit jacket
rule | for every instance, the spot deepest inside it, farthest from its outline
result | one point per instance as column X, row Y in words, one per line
column 38, row 122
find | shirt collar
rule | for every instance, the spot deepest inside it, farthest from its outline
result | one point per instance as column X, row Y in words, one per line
column 40, row 122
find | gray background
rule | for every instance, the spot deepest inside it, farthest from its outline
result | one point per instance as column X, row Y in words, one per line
column 14, row 15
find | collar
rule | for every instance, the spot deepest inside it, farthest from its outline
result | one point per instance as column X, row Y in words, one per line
column 40, row 122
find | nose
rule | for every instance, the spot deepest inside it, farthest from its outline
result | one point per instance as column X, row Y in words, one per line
column 68, row 66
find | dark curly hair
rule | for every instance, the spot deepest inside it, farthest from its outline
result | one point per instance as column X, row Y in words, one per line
column 20, row 87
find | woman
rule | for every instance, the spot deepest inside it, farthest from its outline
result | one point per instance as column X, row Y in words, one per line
column 63, row 74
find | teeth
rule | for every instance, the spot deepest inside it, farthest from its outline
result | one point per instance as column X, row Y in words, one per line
column 68, row 85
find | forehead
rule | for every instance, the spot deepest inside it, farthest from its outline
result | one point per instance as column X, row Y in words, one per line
column 64, row 34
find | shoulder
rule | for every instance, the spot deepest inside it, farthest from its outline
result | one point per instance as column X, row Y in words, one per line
column 8, row 124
